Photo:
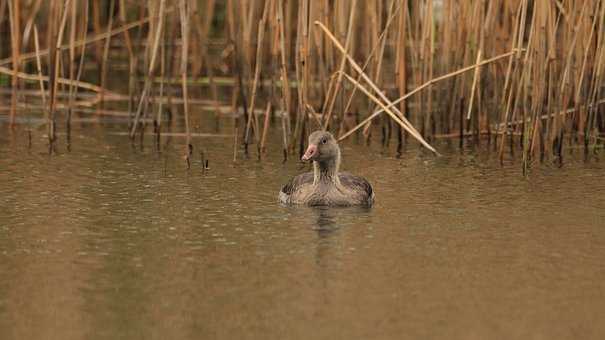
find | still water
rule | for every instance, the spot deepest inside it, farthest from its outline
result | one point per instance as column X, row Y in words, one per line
column 114, row 240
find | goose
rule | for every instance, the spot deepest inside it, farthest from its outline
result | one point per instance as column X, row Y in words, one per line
column 326, row 185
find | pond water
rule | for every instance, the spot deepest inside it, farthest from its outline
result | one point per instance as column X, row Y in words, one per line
column 115, row 240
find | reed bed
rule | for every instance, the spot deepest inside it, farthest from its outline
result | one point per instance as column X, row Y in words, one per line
column 520, row 72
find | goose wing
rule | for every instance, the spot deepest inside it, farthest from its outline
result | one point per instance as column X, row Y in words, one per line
column 358, row 184
column 294, row 184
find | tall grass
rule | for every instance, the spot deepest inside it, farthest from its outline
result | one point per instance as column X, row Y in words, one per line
column 520, row 72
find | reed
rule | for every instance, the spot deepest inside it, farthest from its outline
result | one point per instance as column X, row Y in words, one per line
column 184, row 11
column 105, row 57
column 528, row 72
column 15, row 27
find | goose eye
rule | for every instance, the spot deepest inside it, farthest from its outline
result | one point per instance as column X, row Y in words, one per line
column 324, row 141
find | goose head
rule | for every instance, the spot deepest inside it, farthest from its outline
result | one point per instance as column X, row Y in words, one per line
column 322, row 147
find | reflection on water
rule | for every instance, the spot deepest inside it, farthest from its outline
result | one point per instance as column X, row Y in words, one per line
column 111, row 240
column 326, row 223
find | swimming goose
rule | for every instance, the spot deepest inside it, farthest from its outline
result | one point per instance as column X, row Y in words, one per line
column 325, row 185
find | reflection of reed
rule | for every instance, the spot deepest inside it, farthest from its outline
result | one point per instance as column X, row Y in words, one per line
column 525, row 70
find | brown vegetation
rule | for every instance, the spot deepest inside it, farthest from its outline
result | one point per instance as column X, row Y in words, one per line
column 508, row 69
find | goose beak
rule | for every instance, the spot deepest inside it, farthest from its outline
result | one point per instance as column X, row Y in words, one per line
column 310, row 153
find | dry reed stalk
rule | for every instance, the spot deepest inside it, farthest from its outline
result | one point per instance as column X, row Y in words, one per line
column 157, row 36
column 474, row 86
column 414, row 31
column 331, row 98
column 182, row 135
column 3, row 6
column 39, row 67
column 392, row 109
column 562, row 9
column 274, row 63
column 235, row 143
column 29, row 23
column 158, row 120
column 564, row 93
column 400, row 62
column 537, row 92
column 376, row 47
column 513, row 65
column 581, row 77
column 184, row 16
column 213, row 87
column 390, row 113
column 584, row 120
column 257, row 69
column 131, row 55
column 84, row 30
column 379, row 46
column 96, row 24
column 526, row 67
column 300, row 67
column 72, row 56
column 247, row 13
column 285, row 132
column 423, row 86
column 15, row 28
column 96, row 38
column 303, row 74
column 285, row 84
column 528, row 120
column 242, row 44
column 319, row 62
column 238, row 56
column 204, row 30
column 134, row 72
column 430, row 49
column 155, row 39
column 106, row 49
column 449, row 99
column 315, row 63
column 553, row 138
column 64, row 81
column 597, row 78
column 555, row 66
column 122, row 19
column 263, row 140
column 54, row 61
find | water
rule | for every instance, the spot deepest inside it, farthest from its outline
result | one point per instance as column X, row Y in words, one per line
column 113, row 241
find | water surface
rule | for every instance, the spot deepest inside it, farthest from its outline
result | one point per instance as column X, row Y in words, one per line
column 115, row 240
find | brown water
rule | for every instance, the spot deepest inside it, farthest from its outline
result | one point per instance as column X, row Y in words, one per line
column 113, row 241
